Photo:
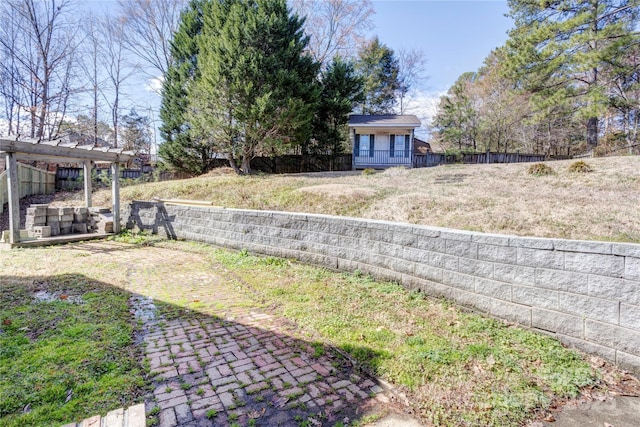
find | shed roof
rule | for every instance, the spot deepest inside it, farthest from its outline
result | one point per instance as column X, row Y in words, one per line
column 62, row 151
column 386, row 120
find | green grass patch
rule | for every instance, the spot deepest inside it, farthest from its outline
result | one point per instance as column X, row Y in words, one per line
column 67, row 358
column 460, row 368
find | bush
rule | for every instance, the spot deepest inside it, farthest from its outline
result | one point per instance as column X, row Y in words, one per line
column 540, row 169
column 368, row 171
column 580, row 167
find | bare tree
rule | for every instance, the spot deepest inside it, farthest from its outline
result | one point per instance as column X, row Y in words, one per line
column 335, row 27
column 39, row 37
column 148, row 29
column 116, row 68
column 412, row 64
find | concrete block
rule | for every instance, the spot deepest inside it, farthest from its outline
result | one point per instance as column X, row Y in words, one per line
column 513, row 312
column 458, row 280
column 67, row 230
column 531, row 243
column 540, row 258
column 630, row 316
column 53, row 212
column 457, row 235
column 431, row 244
column 502, row 254
column 461, row 248
column 491, row 239
column 588, row 347
column 469, row 299
column 428, row 272
column 65, row 211
column 79, row 227
column 604, row 265
column 628, row 361
column 436, row 290
column 475, row 268
column 536, row 297
column 425, row 231
column 632, row 268
column 389, row 249
column 41, row 231
column 554, row 321
column 583, row 246
column 612, row 336
column 614, row 289
column 590, row 308
column 405, row 238
column 562, row 280
column 515, row 274
column 626, row 249
column 493, row 289
column 66, row 217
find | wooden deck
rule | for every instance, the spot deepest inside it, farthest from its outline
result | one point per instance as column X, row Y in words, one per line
column 57, row 240
column 134, row 416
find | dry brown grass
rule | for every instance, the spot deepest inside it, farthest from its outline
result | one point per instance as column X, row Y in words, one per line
column 498, row 198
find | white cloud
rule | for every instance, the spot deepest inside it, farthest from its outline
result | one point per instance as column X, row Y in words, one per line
column 154, row 85
column 425, row 106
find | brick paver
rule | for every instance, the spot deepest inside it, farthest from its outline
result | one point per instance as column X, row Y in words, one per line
column 228, row 361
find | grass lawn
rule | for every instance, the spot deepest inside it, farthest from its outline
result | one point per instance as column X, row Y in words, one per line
column 497, row 198
column 456, row 368
column 66, row 350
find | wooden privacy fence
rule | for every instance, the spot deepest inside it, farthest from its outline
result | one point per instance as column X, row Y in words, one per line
column 434, row 159
column 31, row 181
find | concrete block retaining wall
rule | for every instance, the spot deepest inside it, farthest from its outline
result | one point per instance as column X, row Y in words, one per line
column 587, row 294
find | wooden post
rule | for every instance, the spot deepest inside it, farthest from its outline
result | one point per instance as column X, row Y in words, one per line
column 87, row 183
column 115, row 196
column 13, row 186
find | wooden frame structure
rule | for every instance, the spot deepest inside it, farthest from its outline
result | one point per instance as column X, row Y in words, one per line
column 58, row 151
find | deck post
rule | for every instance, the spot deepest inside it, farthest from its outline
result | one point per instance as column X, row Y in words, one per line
column 87, row 183
column 115, row 196
column 13, row 186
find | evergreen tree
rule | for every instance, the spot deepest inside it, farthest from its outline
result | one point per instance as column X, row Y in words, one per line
column 181, row 149
column 256, row 92
column 342, row 89
column 456, row 120
column 560, row 50
column 379, row 69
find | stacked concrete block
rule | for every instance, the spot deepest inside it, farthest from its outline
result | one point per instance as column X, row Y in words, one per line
column 44, row 221
column 101, row 220
column 36, row 217
column 587, row 294
column 53, row 220
column 80, row 220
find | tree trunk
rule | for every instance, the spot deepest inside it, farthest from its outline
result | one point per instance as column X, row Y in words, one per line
column 246, row 164
column 592, row 132
column 233, row 164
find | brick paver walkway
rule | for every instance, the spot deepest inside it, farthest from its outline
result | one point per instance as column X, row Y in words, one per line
column 227, row 362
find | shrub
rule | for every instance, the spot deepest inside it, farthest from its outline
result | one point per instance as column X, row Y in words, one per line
column 580, row 167
column 368, row 171
column 540, row 169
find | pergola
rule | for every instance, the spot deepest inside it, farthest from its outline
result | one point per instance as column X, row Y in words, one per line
column 58, row 151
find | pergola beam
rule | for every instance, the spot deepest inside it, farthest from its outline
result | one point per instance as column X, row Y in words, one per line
column 65, row 152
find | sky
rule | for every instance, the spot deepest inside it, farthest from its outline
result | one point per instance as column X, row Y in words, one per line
column 455, row 36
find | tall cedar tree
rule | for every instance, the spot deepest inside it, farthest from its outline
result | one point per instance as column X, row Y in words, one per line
column 561, row 48
column 379, row 68
column 342, row 90
column 257, row 89
column 181, row 150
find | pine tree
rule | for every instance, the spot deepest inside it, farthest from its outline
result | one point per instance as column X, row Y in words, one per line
column 342, row 89
column 561, row 48
column 379, row 69
column 256, row 93
column 181, row 149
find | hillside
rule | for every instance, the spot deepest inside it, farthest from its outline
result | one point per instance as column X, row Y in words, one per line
column 501, row 198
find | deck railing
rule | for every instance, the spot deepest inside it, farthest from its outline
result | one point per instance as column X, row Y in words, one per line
column 382, row 158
